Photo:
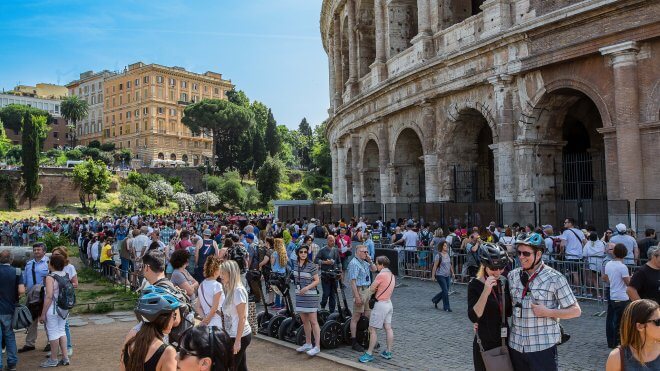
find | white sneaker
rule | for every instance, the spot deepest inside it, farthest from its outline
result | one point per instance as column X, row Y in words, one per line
column 304, row 348
column 314, row 351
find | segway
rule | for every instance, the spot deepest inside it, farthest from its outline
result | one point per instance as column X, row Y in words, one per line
column 264, row 318
column 362, row 327
column 279, row 282
column 332, row 332
column 288, row 328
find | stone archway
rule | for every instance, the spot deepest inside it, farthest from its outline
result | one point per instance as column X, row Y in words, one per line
column 471, row 161
column 173, row 157
column 349, row 176
column 366, row 36
column 184, row 158
column 161, row 156
column 401, row 25
column 408, row 183
column 371, row 173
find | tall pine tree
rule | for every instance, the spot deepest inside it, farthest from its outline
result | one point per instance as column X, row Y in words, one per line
column 272, row 137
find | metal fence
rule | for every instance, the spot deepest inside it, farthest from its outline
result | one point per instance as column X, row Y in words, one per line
column 647, row 215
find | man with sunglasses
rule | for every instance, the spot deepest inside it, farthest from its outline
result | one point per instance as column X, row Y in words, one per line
column 541, row 297
column 360, row 279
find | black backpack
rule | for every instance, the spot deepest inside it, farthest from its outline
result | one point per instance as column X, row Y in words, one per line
column 455, row 243
column 426, row 237
column 66, row 299
column 238, row 254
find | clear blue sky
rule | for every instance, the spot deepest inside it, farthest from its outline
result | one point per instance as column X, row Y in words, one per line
column 271, row 49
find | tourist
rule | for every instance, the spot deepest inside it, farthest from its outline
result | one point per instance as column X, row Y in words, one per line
column 279, row 264
column 12, row 285
column 343, row 243
column 306, row 279
column 381, row 314
column 106, row 258
column 593, row 252
column 621, row 236
column 645, row 283
column 644, row 244
column 127, row 255
column 148, row 350
column 607, row 235
column 541, row 296
column 53, row 316
column 640, row 335
column 207, row 248
column 71, row 272
column 141, row 242
column 471, row 266
column 616, row 274
column 181, row 278
column 359, row 280
column 205, row 348
column 235, row 310
column 328, row 260
column 210, row 293
column 35, row 271
column 486, row 302
column 443, row 273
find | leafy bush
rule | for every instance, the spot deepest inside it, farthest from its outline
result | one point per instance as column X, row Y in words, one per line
column 132, row 198
column 269, row 177
column 314, row 180
column 74, row 155
column 52, row 240
column 204, row 199
column 300, row 194
column 184, row 200
column 93, row 178
column 142, row 180
column 161, row 190
column 176, row 183
column 317, row 193
column 107, row 147
column 94, row 144
column 252, row 199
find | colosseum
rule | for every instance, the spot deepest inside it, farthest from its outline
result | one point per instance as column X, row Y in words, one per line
column 553, row 104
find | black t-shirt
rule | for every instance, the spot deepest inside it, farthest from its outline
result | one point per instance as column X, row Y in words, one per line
column 490, row 320
column 644, row 245
column 647, row 283
column 325, row 254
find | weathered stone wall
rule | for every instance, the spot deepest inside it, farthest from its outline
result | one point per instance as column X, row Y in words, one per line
column 57, row 190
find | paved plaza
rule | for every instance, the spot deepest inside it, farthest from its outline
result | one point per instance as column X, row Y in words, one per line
column 426, row 338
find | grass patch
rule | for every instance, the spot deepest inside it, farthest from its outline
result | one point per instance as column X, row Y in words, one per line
column 96, row 295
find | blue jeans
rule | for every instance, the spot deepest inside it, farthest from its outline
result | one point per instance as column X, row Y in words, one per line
column 613, row 320
column 444, row 293
column 8, row 340
column 126, row 266
column 68, row 335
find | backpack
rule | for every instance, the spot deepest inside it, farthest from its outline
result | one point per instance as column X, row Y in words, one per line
column 66, row 299
column 426, row 237
column 455, row 243
column 186, row 310
column 319, row 232
column 238, row 254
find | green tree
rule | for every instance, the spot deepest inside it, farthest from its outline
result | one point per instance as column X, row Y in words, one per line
column 35, row 130
column 258, row 150
column 13, row 117
column 73, row 109
column 305, row 144
column 93, row 179
column 245, row 151
column 238, row 97
column 94, row 144
column 288, row 147
column 225, row 120
column 320, row 154
column 300, row 194
column 260, row 115
column 269, row 176
column 5, row 143
column 272, row 137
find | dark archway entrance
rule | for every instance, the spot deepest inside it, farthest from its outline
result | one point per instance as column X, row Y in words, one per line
column 409, row 184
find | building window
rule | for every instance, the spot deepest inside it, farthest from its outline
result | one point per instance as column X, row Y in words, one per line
column 121, row 130
column 114, row 101
column 120, row 100
column 206, row 88
column 146, row 79
column 172, row 112
column 55, row 134
column 195, row 98
column 100, row 86
column 216, row 91
column 79, row 91
column 195, row 86
column 57, row 107
column 120, row 115
column 184, row 84
column 161, row 110
column 121, row 87
column 137, row 95
column 145, row 111
column 159, row 79
column 184, row 97
column 137, row 113
column 93, row 99
column 128, row 84
column 128, row 115
column 172, row 82
column 137, row 82
column 86, row 89
column 100, row 97
column 128, row 144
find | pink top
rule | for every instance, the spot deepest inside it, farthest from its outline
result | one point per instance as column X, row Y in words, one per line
column 383, row 292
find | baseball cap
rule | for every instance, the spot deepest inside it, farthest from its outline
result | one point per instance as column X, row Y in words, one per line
column 621, row 228
column 250, row 236
column 207, row 232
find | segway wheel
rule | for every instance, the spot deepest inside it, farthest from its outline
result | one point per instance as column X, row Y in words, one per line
column 285, row 329
column 274, row 326
column 263, row 318
column 333, row 317
column 332, row 334
column 322, row 316
column 346, row 330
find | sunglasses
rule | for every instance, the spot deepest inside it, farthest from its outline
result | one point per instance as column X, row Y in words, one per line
column 303, row 252
column 655, row 321
column 526, row 254
column 496, row 268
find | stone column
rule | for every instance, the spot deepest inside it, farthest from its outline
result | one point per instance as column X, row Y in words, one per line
column 379, row 67
column 356, row 166
column 335, row 174
column 341, row 174
column 383, row 161
column 336, row 49
column 430, row 155
column 423, row 38
column 331, row 73
column 496, row 16
column 351, row 84
column 626, row 111
column 503, row 151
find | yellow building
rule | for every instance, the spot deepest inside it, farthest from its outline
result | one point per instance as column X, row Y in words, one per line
column 143, row 109
column 42, row 90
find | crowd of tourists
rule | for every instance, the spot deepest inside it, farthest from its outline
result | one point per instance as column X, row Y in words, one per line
column 198, row 272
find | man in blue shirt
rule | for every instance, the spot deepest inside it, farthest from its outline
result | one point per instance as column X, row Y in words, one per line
column 9, row 294
column 35, row 272
column 359, row 280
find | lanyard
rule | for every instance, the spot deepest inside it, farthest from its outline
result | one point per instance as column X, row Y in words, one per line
column 497, row 299
column 526, row 288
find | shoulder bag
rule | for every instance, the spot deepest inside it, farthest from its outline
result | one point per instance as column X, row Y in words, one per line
column 22, row 316
column 373, row 299
column 497, row 359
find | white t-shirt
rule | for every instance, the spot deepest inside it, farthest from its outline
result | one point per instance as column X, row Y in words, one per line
column 573, row 243
column 630, row 244
column 71, row 271
column 210, row 288
column 616, row 271
column 231, row 314
column 140, row 244
column 594, row 251
column 94, row 250
column 409, row 240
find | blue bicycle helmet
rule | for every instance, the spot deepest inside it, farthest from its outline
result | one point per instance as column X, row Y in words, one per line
column 154, row 302
column 534, row 240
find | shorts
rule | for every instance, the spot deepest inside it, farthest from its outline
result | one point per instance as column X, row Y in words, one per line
column 381, row 314
column 54, row 325
column 365, row 294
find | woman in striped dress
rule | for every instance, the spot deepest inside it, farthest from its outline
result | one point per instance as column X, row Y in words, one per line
column 307, row 299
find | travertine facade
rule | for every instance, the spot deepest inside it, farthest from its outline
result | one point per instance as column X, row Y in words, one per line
column 143, row 109
column 90, row 88
column 511, row 100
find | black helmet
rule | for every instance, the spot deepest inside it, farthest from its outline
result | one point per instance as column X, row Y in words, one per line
column 492, row 255
column 154, row 302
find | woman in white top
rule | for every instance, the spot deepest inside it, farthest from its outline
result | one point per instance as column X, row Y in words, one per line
column 210, row 293
column 73, row 277
column 594, row 253
column 235, row 310
column 54, row 317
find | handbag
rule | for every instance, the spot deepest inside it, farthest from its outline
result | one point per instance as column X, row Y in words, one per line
column 22, row 317
column 373, row 299
column 497, row 359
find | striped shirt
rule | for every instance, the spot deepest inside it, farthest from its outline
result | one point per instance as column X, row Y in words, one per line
column 530, row 333
column 358, row 270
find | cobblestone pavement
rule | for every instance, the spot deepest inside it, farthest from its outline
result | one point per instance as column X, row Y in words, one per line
column 426, row 338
